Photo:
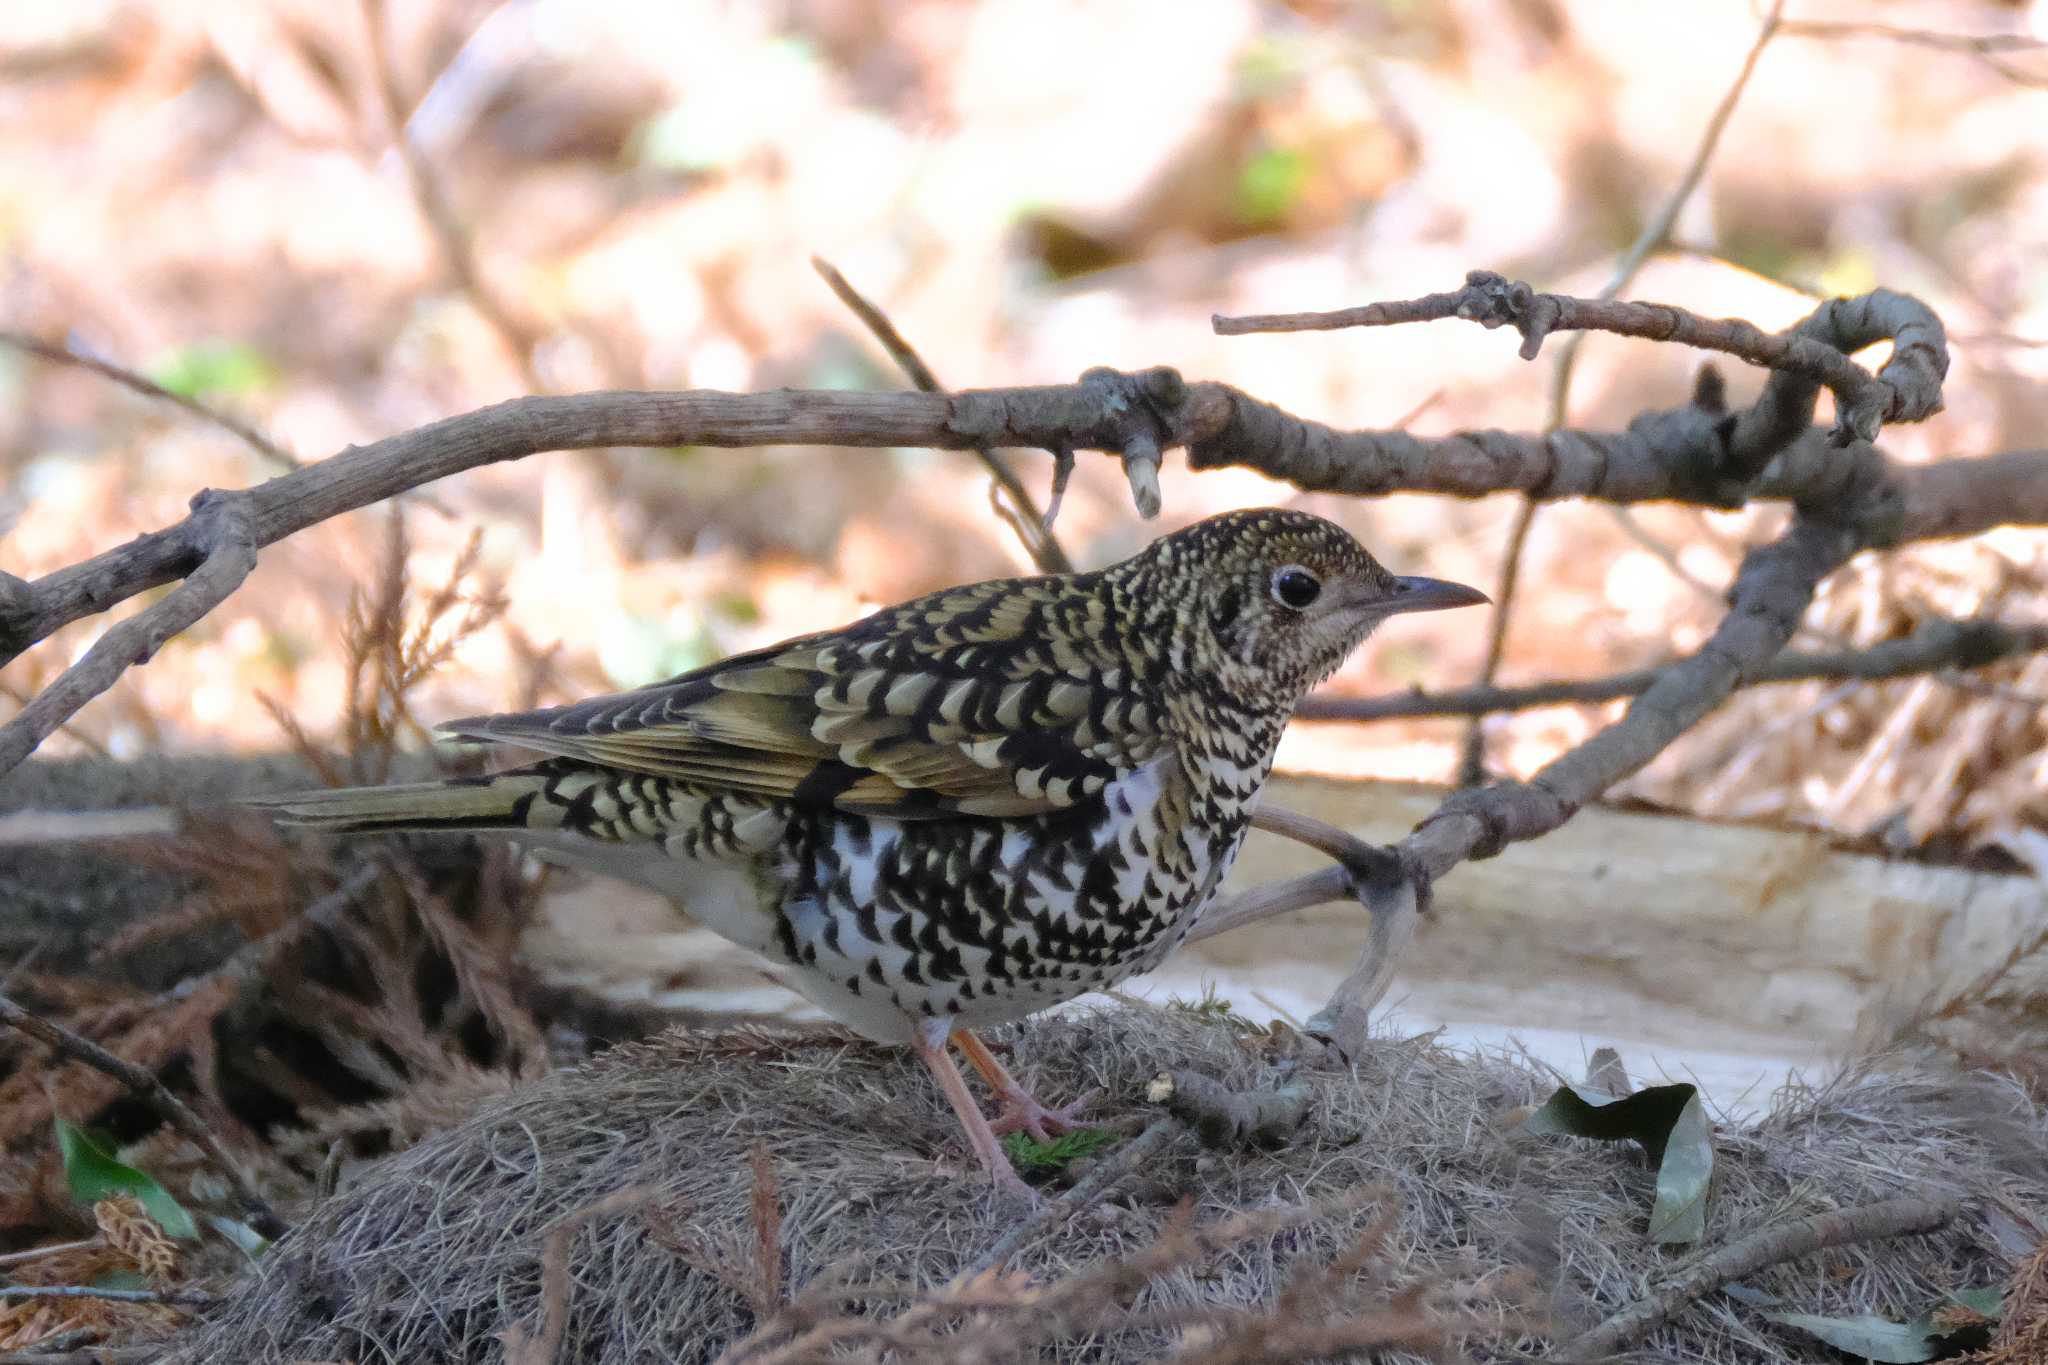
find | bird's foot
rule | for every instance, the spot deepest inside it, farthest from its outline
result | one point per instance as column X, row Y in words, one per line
column 1024, row 1112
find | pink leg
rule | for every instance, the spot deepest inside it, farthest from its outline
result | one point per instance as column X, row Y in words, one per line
column 1022, row 1110
column 931, row 1049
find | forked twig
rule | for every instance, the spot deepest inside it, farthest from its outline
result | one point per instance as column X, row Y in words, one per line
column 457, row 249
column 220, row 531
column 1032, row 526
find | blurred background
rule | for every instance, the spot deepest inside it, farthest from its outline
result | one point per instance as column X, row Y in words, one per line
column 628, row 195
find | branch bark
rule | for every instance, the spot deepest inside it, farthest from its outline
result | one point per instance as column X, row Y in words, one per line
column 1938, row 644
column 1848, row 498
column 1801, row 1237
column 1660, row 458
column 1810, row 355
column 1771, row 593
column 219, row 532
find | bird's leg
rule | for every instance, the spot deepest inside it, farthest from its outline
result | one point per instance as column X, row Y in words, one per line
column 931, row 1049
column 1022, row 1110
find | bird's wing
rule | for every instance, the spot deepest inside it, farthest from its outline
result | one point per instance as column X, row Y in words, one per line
column 980, row 700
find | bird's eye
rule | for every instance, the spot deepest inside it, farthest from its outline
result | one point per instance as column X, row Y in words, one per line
column 1295, row 587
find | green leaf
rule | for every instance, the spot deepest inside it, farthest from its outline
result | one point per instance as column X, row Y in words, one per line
column 1270, row 183
column 230, row 367
column 247, row 1240
column 1670, row 1124
column 1874, row 1338
column 94, row 1174
column 1064, row 1150
column 1989, row 1301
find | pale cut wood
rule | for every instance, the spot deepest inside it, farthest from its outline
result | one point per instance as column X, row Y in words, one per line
column 1770, row 931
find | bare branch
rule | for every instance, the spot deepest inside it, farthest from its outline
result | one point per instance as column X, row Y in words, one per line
column 1686, row 454
column 220, row 524
column 1032, row 526
column 59, row 354
column 1815, row 353
column 1800, row 1237
column 1935, row 645
column 145, row 1084
column 1771, row 593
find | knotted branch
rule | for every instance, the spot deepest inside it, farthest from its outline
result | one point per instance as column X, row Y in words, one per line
column 1813, row 354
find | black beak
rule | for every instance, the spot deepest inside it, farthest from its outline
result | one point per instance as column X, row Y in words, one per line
column 1432, row 594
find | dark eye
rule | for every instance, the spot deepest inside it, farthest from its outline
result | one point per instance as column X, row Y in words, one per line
column 1295, row 587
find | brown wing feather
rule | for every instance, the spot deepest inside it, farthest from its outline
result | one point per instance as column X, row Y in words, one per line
column 970, row 701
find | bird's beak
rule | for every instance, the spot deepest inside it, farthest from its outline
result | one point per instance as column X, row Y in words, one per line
column 1433, row 594
column 1419, row 594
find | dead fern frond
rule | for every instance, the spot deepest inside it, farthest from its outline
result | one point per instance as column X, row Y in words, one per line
column 301, row 743
column 130, row 1230
column 483, row 972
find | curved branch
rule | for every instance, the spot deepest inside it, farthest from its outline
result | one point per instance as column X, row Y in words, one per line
column 1069, row 415
column 1771, row 593
column 1814, row 353
column 219, row 532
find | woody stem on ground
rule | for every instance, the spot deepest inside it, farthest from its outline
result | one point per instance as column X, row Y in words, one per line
column 144, row 1083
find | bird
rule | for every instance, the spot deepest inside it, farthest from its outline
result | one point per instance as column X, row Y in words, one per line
column 959, row 810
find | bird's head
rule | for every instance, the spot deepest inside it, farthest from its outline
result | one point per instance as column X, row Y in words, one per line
column 1271, row 601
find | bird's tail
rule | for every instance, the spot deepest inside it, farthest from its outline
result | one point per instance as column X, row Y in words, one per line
column 509, row 800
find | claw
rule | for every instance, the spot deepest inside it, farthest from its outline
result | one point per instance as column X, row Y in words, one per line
column 1024, row 1112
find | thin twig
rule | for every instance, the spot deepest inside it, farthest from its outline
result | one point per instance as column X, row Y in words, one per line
column 145, row 1084
column 457, row 249
column 1032, row 526
column 36, row 1253
column 1816, row 352
column 1472, row 751
column 89, row 1355
column 1472, row 755
column 1801, row 1237
column 222, row 526
column 1088, row 1190
column 59, row 354
column 1985, row 47
column 1937, row 644
column 182, row 1298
